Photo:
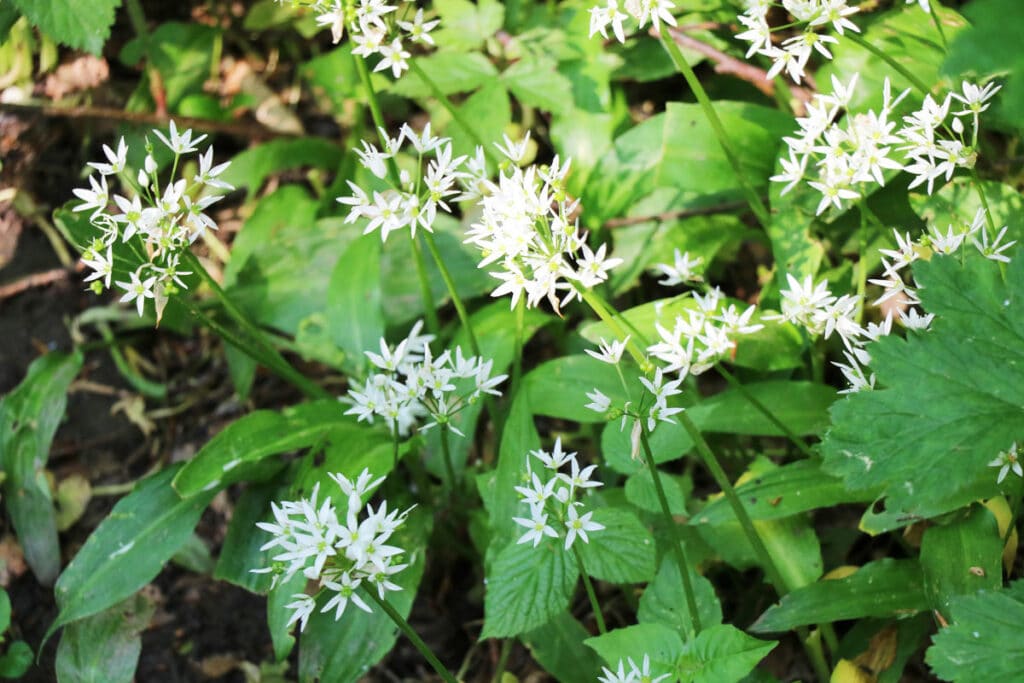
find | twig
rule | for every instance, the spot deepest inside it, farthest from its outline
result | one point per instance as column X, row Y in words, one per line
column 726, row 64
column 240, row 129
column 47, row 277
column 725, row 207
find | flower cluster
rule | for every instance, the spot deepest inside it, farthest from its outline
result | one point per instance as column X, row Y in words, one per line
column 609, row 15
column 682, row 270
column 1007, row 461
column 551, row 493
column 795, row 52
column 340, row 554
column 840, row 155
column 414, row 203
column 413, row 384
column 375, row 28
column 635, row 674
column 527, row 227
column 158, row 223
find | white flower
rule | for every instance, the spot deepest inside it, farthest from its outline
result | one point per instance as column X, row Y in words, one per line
column 579, row 525
column 538, row 529
column 418, row 30
column 208, row 172
column 117, row 159
column 394, row 58
column 610, row 353
column 599, row 403
column 180, row 144
column 609, row 15
column 302, row 606
column 137, row 290
column 993, row 251
column 1006, row 461
column 681, row 271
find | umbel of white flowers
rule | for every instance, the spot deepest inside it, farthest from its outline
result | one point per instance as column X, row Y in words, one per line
column 340, row 550
column 157, row 221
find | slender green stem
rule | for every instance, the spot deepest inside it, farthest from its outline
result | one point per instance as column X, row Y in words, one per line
column 746, row 523
column 265, row 351
column 888, row 59
column 591, row 595
column 446, row 453
column 413, row 637
column 678, row 550
column 517, row 351
column 433, row 324
column 989, row 220
column 375, row 113
column 597, row 305
column 753, row 198
column 938, row 26
column 455, row 113
column 449, row 282
column 764, row 410
column 506, row 650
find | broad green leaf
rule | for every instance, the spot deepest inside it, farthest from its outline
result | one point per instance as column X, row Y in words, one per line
column 490, row 112
column 518, row 438
column 559, row 387
column 661, row 643
column 333, row 75
column 8, row 16
column 961, row 557
column 105, row 647
column 256, row 436
column 535, row 81
column 583, row 137
column 668, row 442
column 640, row 491
column 527, row 586
column 354, row 314
column 950, row 399
column 451, row 71
column 795, row 248
column 281, row 262
column 181, row 53
column 466, row 25
column 558, row 647
column 622, row 552
column 252, row 167
column 83, row 26
column 884, row 588
column 29, row 416
column 983, row 642
column 721, row 654
column 664, row 600
column 991, row 45
column 17, row 660
column 129, row 548
column 278, row 615
column 788, row 490
column 344, row 650
column 240, row 553
column 194, row 555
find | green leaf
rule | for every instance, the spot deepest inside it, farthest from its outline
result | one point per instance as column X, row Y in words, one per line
column 884, row 588
column 281, row 263
column 354, row 314
column 278, row 615
column 721, row 654
column 16, row 661
column 957, row 203
column 181, row 53
column 489, row 111
column 558, row 647
column 344, row 650
column 788, row 490
column 517, row 439
column 451, row 71
column 5, row 610
column 466, row 25
column 952, row 398
column 961, row 557
column 664, row 601
column 622, row 552
column 333, row 75
column 535, row 81
column 252, row 167
column 257, row 436
column 84, row 26
column 105, row 647
column 661, row 643
column 129, row 548
column 29, row 416
column 640, row 491
column 527, row 586
column 240, row 553
column 558, row 388
column 983, row 642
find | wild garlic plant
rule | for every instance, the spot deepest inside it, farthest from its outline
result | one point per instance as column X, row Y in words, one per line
column 375, row 28
column 340, row 550
column 529, row 229
column 157, row 219
column 610, row 15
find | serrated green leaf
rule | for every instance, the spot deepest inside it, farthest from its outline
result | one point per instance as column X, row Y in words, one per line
column 451, row 71
column 952, row 397
column 961, row 557
column 664, row 601
column 721, row 654
column 527, row 586
column 84, row 26
column 256, row 436
column 657, row 641
column 884, row 588
column 105, row 647
column 466, row 25
column 788, row 490
column 535, row 81
column 622, row 552
column 29, row 416
column 129, row 548
column 558, row 647
column 983, row 642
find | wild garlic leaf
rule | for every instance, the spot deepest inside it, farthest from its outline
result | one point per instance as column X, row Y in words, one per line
column 950, row 399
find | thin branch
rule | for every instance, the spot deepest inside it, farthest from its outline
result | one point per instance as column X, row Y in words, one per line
column 47, row 277
column 726, row 64
column 725, row 207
